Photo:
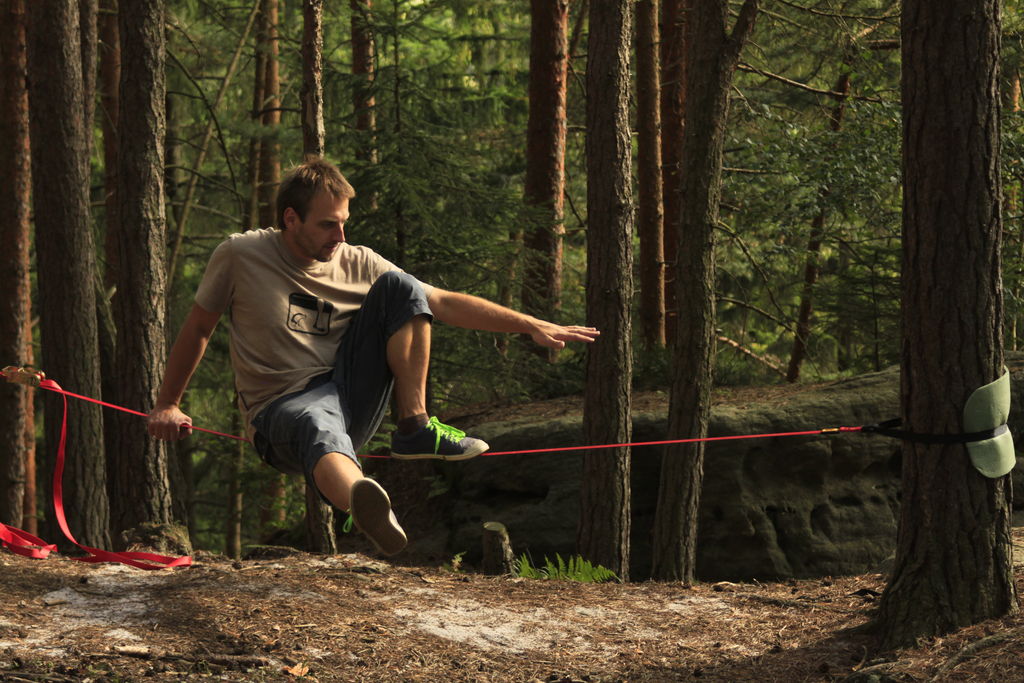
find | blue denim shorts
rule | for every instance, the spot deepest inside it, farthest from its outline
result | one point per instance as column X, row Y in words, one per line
column 339, row 411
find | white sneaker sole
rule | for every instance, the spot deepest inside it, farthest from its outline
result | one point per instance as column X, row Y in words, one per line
column 372, row 514
column 472, row 452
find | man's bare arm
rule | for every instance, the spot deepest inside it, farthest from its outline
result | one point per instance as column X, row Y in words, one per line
column 464, row 310
column 167, row 422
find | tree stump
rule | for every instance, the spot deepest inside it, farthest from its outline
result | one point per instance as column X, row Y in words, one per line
column 498, row 557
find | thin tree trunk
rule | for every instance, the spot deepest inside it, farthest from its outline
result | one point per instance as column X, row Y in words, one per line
column 141, row 477
column 252, row 208
column 954, row 560
column 319, row 515
column 673, row 107
column 604, row 525
column 803, row 319
column 30, row 516
column 15, row 306
column 545, row 157
column 712, row 54
column 66, row 259
column 312, row 78
column 270, row 148
column 650, row 216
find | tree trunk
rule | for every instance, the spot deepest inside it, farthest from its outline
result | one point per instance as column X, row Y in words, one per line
column 312, row 78
column 803, row 319
column 650, row 218
column 712, row 54
column 252, row 207
column 140, row 476
column 953, row 555
column 109, row 87
column 66, row 259
column 604, row 525
column 363, row 101
column 30, row 516
column 270, row 148
column 15, row 305
column 87, row 13
column 673, row 106
column 545, row 157
column 319, row 515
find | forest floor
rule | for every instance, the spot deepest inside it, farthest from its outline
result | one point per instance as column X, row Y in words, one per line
column 355, row 618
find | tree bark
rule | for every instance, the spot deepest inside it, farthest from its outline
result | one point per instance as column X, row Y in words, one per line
column 319, row 515
column 953, row 554
column 312, row 78
column 363, row 101
column 604, row 525
column 140, row 476
column 109, row 87
column 15, row 305
column 673, row 106
column 650, row 216
column 545, row 157
column 66, row 259
column 712, row 54
column 270, row 148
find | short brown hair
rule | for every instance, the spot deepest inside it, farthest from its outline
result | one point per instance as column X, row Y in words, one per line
column 304, row 181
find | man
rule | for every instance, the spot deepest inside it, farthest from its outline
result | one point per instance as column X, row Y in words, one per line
column 321, row 331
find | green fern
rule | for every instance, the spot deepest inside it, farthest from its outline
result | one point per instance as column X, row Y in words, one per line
column 574, row 569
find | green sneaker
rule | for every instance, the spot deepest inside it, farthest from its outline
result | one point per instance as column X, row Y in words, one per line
column 437, row 441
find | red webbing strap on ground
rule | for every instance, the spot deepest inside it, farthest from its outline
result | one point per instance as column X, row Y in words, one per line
column 25, row 544
column 133, row 559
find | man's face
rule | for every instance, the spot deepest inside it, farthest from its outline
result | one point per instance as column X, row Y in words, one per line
column 317, row 237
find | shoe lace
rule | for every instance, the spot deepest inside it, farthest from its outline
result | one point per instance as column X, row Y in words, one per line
column 446, row 431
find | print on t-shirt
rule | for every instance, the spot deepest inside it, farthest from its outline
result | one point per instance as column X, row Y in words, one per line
column 308, row 314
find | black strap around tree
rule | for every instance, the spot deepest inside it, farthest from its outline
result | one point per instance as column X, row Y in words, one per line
column 888, row 428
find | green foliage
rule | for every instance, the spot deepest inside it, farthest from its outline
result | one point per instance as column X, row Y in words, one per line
column 574, row 569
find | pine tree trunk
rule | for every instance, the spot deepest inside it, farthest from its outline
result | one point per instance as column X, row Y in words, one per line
column 270, row 148
column 319, row 515
column 30, row 516
column 650, row 217
column 954, row 562
column 604, row 525
column 140, row 476
column 673, row 107
column 252, row 207
column 545, row 157
column 109, row 87
column 66, row 259
column 711, row 55
column 363, row 101
column 15, row 308
column 312, row 78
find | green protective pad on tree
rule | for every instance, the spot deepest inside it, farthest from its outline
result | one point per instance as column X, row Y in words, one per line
column 988, row 408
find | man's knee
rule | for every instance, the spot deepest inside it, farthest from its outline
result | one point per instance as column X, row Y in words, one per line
column 400, row 285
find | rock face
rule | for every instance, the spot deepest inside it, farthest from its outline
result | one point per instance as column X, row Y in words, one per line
column 771, row 508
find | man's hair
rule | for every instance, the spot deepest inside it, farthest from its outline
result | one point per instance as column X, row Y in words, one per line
column 304, row 181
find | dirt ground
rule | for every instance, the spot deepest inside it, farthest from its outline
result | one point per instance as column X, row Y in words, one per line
column 355, row 618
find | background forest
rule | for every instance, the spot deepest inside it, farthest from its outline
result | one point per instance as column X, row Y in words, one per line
column 426, row 108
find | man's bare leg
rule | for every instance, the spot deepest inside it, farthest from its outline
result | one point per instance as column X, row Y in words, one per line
column 408, row 354
column 342, row 482
column 334, row 475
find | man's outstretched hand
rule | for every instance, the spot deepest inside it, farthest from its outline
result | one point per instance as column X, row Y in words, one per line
column 554, row 336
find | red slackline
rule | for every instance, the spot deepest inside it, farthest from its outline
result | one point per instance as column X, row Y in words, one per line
column 23, row 543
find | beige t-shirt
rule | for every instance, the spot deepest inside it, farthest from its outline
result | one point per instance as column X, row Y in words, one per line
column 287, row 319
